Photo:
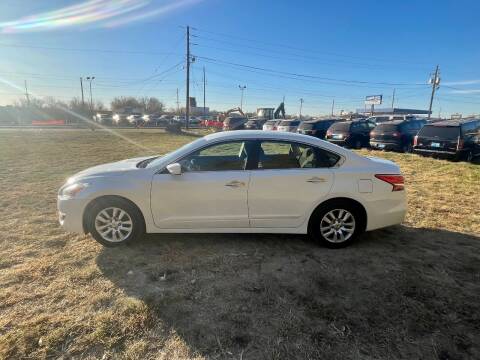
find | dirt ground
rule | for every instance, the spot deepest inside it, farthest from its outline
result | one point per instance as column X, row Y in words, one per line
column 406, row 292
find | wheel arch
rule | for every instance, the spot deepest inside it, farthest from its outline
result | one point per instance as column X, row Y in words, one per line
column 87, row 211
column 353, row 202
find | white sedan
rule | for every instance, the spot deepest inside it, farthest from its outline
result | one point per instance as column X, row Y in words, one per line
column 237, row 182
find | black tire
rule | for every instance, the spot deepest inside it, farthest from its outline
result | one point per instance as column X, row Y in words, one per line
column 358, row 144
column 137, row 226
column 407, row 148
column 354, row 209
column 469, row 157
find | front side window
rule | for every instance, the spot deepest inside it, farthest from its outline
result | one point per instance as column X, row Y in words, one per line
column 290, row 155
column 226, row 156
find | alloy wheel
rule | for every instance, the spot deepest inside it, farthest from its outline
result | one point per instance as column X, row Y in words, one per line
column 337, row 225
column 113, row 224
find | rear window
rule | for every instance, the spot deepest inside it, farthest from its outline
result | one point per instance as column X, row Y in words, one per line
column 386, row 128
column 306, row 125
column 342, row 126
column 289, row 123
column 323, row 125
column 443, row 132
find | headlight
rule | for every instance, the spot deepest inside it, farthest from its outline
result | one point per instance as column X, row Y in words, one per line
column 70, row 191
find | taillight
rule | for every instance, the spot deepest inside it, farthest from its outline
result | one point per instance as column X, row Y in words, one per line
column 415, row 140
column 459, row 144
column 372, row 133
column 329, row 133
column 397, row 181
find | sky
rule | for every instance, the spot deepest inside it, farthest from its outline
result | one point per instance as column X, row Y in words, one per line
column 319, row 51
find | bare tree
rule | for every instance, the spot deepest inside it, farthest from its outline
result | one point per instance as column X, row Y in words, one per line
column 122, row 102
column 151, row 105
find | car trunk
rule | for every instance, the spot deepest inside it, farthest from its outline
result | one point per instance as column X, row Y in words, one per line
column 439, row 138
column 386, row 133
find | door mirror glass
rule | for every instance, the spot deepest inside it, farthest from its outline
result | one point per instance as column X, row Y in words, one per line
column 175, row 169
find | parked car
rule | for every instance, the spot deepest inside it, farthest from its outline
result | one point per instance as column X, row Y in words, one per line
column 255, row 124
column 395, row 135
column 120, row 119
column 290, row 125
column 237, row 181
column 234, row 123
column 317, row 128
column 271, row 125
column 353, row 134
column 454, row 139
column 135, row 119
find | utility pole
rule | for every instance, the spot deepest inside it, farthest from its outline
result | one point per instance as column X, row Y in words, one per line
column 90, row 79
column 242, row 88
column 187, row 102
column 204, row 84
column 393, row 99
column 83, row 97
column 333, row 105
column 178, row 104
column 435, row 81
column 301, row 105
column 27, row 96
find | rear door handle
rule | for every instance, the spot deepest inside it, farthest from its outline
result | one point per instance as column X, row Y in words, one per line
column 235, row 183
column 316, row 179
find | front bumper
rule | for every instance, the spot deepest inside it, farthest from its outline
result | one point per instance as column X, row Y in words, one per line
column 70, row 214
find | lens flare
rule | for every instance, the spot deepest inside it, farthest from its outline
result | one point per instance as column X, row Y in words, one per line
column 100, row 13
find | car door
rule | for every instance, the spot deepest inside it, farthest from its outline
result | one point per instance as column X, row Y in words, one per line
column 211, row 192
column 289, row 180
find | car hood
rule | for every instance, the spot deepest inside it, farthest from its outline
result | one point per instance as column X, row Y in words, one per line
column 111, row 169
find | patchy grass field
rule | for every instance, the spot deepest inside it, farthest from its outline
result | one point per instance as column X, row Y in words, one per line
column 407, row 292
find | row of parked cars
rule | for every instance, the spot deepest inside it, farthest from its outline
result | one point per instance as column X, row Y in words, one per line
column 454, row 139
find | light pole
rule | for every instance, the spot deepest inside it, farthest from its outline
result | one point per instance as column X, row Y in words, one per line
column 301, row 105
column 242, row 88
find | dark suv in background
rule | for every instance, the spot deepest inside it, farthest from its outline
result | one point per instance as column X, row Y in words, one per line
column 354, row 134
column 453, row 139
column 317, row 128
column 395, row 135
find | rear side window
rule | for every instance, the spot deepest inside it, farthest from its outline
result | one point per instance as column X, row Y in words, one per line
column 290, row 155
column 442, row 132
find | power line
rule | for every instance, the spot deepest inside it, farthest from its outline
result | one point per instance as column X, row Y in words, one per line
column 306, row 76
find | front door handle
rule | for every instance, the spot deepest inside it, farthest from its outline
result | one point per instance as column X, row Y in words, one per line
column 235, row 183
column 316, row 179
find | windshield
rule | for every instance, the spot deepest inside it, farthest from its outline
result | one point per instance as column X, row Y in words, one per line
column 343, row 126
column 442, row 132
column 174, row 154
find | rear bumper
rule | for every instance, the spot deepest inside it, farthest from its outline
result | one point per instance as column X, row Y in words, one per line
column 439, row 153
column 383, row 145
column 340, row 142
column 387, row 212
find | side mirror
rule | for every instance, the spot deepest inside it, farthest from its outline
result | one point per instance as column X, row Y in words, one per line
column 175, row 169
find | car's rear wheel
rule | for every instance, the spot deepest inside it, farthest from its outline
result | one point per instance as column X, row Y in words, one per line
column 469, row 157
column 407, row 148
column 358, row 144
column 336, row 224
column 115, row 221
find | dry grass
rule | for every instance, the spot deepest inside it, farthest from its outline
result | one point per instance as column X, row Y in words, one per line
column 408, row 292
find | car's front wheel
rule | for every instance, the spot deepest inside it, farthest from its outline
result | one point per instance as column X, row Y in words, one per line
column 115, row 221
column 336, row 224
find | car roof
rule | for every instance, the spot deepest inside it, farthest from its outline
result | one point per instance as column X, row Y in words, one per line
column 452, row 122
column 273, row 135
